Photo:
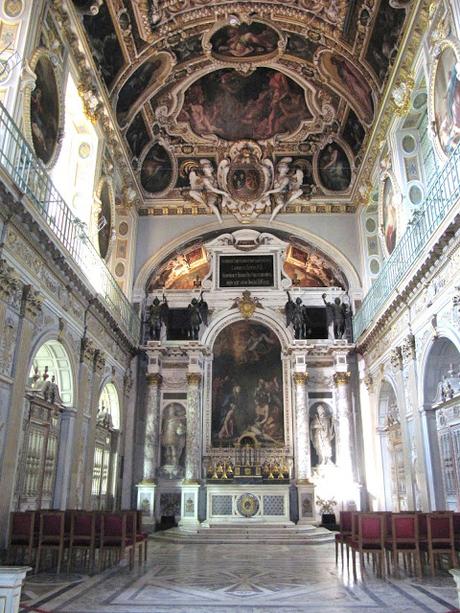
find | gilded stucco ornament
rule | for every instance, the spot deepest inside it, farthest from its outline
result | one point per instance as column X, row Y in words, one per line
column 401, row 94
column 247, row 304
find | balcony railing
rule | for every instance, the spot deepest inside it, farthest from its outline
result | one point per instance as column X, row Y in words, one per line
column 442, row 194
column 19, row 161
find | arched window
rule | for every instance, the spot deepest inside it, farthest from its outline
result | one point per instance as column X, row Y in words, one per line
column 50, row 388
column 392, row 450
column 441, row 386
column 104, row 482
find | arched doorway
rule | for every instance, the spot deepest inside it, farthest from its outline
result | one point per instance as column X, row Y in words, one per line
column 49, row 391
column 104, row 480
column 441, row 389
column 391, row 444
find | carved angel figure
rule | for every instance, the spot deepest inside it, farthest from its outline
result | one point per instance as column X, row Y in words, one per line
column 204, row 188
column 287, row 185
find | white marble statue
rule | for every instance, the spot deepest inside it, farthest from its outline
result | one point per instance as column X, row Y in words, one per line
column 322, row 434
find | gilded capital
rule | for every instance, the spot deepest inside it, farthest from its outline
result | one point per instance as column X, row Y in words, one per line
column 32, row 302
column 154, row 378
column 87, row 350
column 99, row 361
column 193, row 378
column 342, row 378
column 300, row 378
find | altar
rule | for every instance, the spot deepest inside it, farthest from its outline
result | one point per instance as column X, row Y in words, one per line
column 254, row 504
column 247, row 421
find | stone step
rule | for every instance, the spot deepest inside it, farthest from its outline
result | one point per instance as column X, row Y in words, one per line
column 303, row 535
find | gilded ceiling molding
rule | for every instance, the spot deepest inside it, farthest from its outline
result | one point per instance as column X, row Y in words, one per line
column 417, row 23
column 90, row 85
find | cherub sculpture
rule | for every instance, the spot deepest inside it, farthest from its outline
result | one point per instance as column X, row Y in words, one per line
column 287, row 186
column 204, row 187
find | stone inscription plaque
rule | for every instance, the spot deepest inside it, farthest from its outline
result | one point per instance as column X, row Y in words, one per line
column 246, row 271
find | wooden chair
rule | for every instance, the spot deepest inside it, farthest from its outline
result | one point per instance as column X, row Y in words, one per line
column 371, row 540
column 83, row 536
column 22, row 535
column 52, row 536
column 404, row 539
column 345, row 530
column 138, row 539
column 440, row 538
column 114, row 537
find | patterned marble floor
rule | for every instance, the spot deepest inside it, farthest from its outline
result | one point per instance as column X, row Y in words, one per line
column 186, row 578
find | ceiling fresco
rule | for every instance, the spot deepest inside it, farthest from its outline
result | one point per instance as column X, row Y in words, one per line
column 299, row 80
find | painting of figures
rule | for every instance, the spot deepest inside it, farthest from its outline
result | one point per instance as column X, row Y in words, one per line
column 383, row 44
column 247, row 386
column 353, row 132
column 447, row 100
column 244, row 40
column 334, row 168
column 266, row 103
column 389, row 216
column 137, row 84
column 156, row 171
column 351, row 83
column 104, row 221
column 44, row 111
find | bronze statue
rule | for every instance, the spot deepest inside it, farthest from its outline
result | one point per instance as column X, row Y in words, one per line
column 197, row 314
column 336, row 312
column 296, row 314
column 158, row 315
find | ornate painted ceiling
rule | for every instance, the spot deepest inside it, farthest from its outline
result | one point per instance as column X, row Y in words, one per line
column 244, row 107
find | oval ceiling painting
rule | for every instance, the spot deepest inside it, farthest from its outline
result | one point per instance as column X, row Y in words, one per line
column 136, row 85
column 44, row 110
column 156, row 170
column 104, row 221
column 334, row 168
column 446, row 98
column 244, row 41
column 266, row 103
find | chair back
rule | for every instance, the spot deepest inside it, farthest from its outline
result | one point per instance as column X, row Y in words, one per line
column 82, row 524
column 346, row 522
column 52, row 525
column 371, row 529
column 457, row 525
column 22, row 526
column 131, row 523
column 113, row 527
column 354, row 525
column 440, row 528
column 404, row 528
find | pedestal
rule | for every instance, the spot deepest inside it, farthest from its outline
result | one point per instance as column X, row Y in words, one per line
column 11, row 580
column 306, row 501
column 146, row 502
column 189, row 505
column 456, row 575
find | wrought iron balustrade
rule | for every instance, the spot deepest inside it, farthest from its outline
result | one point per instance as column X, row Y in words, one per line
column 442, row 194
column 18, row 160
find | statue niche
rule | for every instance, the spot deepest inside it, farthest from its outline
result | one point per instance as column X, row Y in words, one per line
column 173, row 429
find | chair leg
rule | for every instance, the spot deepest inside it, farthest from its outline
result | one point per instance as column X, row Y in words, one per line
column 59, row 560
column 336, row 552
column 37, row 561
column 146, row 544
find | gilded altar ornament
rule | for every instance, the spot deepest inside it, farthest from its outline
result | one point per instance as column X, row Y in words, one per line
column 248, row 505
column 247, row 304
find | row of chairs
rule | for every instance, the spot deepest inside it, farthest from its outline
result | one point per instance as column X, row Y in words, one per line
column 99, row 537
column 384, row 536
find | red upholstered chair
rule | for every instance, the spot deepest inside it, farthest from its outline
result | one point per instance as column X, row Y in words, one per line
column 345, row 530
column 371, row 540
column 52, row 536
column 114, row 537
column 138, row 539
column 22, row 536
column 457, row 531
column 440, row 537
column 404, row 539
column 82, row 536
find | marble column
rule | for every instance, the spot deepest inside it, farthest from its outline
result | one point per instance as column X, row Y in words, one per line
column 191, row 483
column 305, row 489
column 193, row 447
column 147, row 487
column 64, row 458
column 343, row 436
column 303, row 460
column 152, row 427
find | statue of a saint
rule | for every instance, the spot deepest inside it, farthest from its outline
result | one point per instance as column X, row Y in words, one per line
column 322, row 434
column 173, row 438
column 296, row 314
